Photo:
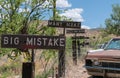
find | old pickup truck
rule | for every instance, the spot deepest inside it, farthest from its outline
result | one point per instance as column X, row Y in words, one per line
column 104, row 62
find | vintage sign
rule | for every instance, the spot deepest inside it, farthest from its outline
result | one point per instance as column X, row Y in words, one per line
column 76, row 31
column 33, row 41
column 64, row 24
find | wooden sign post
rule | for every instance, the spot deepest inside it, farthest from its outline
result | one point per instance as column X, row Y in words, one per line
column 79, row 44
column 75, row 43
column 61, row 55
column 75, row 31
column 64, row 24
column 32, row 42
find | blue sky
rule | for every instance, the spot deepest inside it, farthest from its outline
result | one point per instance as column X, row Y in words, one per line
column 92, row 13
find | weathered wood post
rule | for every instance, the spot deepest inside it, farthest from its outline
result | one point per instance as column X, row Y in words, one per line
column 74, row 51
column 61, row 65
column 79, row 48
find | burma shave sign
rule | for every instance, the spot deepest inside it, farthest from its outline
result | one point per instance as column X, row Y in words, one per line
column 64, row 24
column 33, row 42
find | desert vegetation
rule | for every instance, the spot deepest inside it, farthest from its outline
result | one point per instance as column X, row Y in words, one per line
column 15, row 21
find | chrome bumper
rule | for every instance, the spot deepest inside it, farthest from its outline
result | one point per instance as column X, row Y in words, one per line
column 104, row 68
column 101, row 71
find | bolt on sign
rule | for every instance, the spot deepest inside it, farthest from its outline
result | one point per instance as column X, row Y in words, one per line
column 76, row 31
column 64, row 24
column 33, row 42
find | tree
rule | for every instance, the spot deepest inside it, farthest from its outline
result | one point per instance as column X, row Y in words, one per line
column 113, row 23
column 22, row 17
column 16, row 15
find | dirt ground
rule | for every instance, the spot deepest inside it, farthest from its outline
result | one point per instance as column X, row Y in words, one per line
column 76, row 71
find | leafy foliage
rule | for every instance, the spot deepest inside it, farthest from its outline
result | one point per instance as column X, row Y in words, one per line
column 22, row 17
column 113, row 23
column 11, row 68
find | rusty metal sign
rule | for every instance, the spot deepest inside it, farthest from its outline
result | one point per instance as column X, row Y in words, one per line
column 76, row 31
column 32, row 42
column 64, row 24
